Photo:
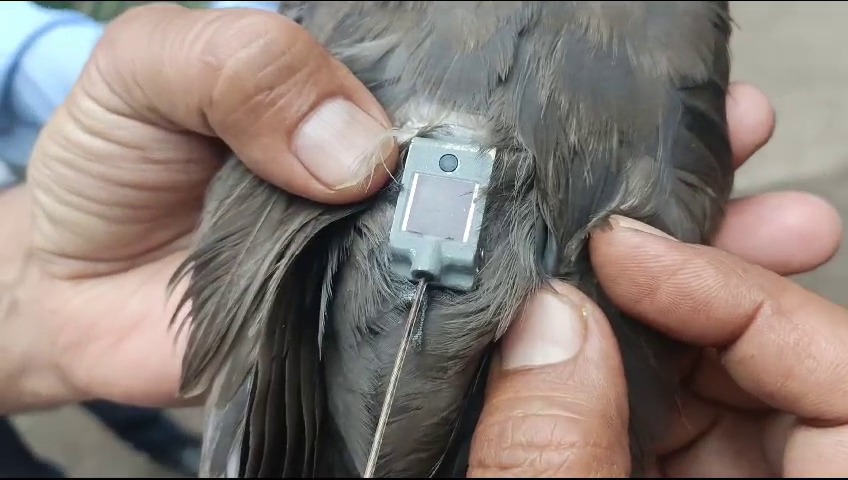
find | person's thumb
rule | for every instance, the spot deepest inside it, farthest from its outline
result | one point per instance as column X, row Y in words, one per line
column 293, row 113
column 556, row 404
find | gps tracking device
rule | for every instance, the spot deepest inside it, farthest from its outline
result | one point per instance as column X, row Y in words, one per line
column 436, row 227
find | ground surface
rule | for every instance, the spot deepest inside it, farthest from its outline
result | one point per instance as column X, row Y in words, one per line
column 794, row 51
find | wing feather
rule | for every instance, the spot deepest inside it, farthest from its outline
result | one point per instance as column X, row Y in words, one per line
column 253, row 292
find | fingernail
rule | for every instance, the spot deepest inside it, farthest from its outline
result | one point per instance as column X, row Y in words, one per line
column 338, row 141
column 625, row 222
column 551, row 330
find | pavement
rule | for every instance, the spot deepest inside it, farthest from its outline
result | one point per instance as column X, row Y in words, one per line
column 790, row 50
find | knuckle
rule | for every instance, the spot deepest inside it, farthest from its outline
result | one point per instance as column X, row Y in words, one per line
column 275, row 65
column 245, row 65
column 119, row 44
column 251, row 43
column 135, row 17
column 543, row 439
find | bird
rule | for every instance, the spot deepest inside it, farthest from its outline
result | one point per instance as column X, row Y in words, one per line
column 296, row 315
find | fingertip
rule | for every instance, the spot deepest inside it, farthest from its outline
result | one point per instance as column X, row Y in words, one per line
column 626, row 242
column 786, row 232
column 653, row 278
column 560, row 324
column 550, row 330
column 563, row 394
column 751, row 120
column 289, row 173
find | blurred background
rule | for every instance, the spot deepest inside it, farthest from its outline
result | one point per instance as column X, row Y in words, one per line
column 791, row 50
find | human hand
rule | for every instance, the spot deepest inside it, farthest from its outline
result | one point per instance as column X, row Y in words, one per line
column 768, row 393
column 118, row 177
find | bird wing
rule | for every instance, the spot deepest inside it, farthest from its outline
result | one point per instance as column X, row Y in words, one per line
column 253, row 296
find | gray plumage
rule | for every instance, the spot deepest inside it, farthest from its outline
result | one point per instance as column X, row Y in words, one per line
column 596, row 108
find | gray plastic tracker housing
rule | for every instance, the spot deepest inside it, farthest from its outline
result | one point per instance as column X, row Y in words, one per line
column 436, row 227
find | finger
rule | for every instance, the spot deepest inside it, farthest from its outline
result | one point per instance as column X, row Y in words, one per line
column 777, row 428
column 734, row 439
column 785, row 232
column 817, row 452
column 295, row 115
column 701, row 431
column 556, row 403
column 796, row 450
column 692, row 418
column 711, row 381
column 778, row 341
column 750, row 120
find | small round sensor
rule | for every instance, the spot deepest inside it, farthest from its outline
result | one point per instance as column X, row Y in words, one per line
column 448, row 163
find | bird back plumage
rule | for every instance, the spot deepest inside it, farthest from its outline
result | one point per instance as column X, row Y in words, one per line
column 595, row 108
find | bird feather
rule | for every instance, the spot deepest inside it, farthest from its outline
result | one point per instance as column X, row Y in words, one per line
column 594, row 108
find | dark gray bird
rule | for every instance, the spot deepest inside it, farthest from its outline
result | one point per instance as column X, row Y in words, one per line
column 595, row 108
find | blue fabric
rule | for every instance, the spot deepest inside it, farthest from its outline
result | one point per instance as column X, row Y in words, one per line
column 7, row 176
column 269, row 6
column 42, row 52
column 17, row 461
